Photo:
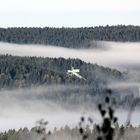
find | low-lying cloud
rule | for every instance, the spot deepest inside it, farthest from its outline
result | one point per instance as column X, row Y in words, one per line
column 124, row 56
column 23, row 107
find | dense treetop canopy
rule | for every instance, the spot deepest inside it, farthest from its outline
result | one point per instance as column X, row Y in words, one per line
column 26, row 71
column 70, row 37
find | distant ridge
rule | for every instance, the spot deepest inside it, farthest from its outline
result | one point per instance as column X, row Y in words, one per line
column 27, row 71
column 70, row 37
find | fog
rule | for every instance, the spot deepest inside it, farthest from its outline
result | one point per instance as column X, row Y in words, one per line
column 23, row 107
column 123, row 56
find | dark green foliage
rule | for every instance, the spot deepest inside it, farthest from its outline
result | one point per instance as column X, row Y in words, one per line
column 28, row 71
column 70, row 37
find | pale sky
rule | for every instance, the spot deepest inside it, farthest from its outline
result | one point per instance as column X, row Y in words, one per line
column 68, row 13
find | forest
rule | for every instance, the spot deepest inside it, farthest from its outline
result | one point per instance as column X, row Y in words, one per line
column 70, row 37
column 28, row 71
column 67, row 133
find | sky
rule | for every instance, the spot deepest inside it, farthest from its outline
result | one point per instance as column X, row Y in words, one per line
column 68, row 13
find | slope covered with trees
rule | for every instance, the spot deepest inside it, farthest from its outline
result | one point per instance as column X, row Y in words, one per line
column 27, row 71
column 70, row 37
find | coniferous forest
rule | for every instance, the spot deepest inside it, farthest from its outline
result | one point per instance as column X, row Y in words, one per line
column 70, row 37
column 27, row 71
column 27, row 75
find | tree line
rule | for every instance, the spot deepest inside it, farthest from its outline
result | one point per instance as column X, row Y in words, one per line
column 67, row 133
column 23, row 72
column 70, row 37
column 28, row 71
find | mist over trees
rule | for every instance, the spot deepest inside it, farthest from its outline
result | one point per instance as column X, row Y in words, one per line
column 19, row 72
column 27, row 71
column 70, row 37
column 24, row 72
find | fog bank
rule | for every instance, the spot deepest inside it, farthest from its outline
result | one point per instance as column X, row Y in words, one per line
column 23, row 107
column 20, row 108
column 124, row 56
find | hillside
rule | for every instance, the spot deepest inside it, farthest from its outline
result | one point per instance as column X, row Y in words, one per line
column 70, row 37
column 47, row 79
column 27, row 71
